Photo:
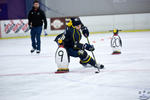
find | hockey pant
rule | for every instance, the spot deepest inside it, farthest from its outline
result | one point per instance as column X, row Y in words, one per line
column 82, row 54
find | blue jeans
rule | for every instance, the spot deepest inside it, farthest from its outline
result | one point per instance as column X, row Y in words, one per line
column 35, row 37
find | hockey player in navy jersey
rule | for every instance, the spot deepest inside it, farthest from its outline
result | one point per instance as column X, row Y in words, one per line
column 70, row 39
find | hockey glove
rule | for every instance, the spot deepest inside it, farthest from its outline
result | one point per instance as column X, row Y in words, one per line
column 88, row 47
column 85, row 31
column 45, row 32
column 30, row 27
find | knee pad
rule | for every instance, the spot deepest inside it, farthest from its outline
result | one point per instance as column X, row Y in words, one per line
column 85, row 60
column 88, row 60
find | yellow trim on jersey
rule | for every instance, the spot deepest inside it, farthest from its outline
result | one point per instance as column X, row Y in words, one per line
column 73, row 36
column 79, row 35
column 86, row 60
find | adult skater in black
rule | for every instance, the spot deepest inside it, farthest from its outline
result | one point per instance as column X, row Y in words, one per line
column 70, row 39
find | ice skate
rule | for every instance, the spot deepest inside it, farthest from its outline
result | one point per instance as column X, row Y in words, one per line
column 38, row 51
column 32, row 50
column 100, row 66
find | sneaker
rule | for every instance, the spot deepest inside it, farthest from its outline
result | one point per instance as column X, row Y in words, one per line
column 37, row 51
column 32, row 50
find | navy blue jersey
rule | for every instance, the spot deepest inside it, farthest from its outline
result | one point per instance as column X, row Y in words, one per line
column 72, row 37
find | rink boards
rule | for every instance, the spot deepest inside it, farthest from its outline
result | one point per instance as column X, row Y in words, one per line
column 96, row 24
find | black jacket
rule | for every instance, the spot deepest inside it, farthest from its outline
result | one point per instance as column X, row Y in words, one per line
column 36, row 18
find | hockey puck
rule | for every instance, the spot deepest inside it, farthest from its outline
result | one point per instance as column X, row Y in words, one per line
column 97, row 72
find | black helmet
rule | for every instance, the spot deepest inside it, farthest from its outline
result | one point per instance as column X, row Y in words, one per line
column 75, row 21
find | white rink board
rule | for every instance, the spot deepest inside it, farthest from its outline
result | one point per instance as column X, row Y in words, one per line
column 123, row 22
column 13, row 28
column 94, row 24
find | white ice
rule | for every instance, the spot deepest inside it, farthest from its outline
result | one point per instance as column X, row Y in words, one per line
column 25, row 76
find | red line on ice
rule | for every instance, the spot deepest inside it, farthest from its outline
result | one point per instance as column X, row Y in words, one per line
column 42, row 73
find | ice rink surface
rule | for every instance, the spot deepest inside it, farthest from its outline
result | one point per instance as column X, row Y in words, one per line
column 25, row 76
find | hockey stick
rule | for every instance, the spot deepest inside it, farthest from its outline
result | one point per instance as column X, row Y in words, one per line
column 93, row 57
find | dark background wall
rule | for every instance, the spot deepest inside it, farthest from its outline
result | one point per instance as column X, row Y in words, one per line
column 3, row 9
column 18, row 9
column 96, row 7
column 12, row 9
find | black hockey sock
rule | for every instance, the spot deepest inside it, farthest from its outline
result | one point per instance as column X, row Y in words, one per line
column 92, row 62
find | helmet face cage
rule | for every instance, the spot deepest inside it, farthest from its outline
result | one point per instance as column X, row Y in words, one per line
column 76, row 21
